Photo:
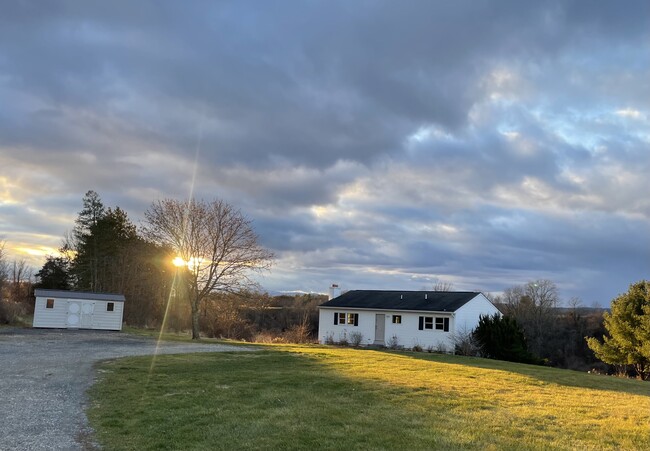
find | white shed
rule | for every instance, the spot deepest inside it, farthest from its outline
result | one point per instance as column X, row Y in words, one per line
column 78, row 310
column 406, row 318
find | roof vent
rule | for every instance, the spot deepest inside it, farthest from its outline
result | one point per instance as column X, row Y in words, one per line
column 426, row 296
column 401, row 296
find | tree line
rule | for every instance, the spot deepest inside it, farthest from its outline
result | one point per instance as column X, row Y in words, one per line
column 210, row 290
column 105, row 252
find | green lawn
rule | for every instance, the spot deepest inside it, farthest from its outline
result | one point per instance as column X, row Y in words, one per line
column 307, row 397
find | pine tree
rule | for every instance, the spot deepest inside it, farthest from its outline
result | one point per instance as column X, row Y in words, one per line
column 628, row 326
column 501, row 338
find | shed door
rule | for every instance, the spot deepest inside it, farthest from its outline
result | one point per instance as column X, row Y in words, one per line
column 74, row 314
column 87, row 310
column 380, row 328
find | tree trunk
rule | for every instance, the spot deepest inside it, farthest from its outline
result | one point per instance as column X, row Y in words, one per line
column 195, row 319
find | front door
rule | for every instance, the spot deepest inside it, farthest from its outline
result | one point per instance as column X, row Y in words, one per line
column 74, row 313
column 87, row 310
column 380, row 328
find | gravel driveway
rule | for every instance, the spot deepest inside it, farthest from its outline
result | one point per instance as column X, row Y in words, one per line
column 44, row 375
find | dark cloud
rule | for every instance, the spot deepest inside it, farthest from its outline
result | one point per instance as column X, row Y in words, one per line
column 381, row 144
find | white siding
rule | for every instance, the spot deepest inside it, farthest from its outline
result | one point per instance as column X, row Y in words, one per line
column 468, row 315
column 326, row 326
column 409, row 335
column 105, row 320
column 57, row 317
column 50, row 317
column 407, row 332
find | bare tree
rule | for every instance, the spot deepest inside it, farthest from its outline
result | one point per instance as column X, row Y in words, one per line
column 441, row 285
column 214, row 241
column 21, row 276
column 533, row 306
column 4, row 267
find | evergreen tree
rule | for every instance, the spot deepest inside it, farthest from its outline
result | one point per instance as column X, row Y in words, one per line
column 500, row 337
column 628, row 328
column 54, row 274
column 85, row 266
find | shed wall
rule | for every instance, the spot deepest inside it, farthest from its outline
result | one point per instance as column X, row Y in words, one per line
column 57, row 317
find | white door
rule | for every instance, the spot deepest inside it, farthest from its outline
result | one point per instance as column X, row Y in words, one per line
column 380, row 328
column 74, row 314
column 87, row 310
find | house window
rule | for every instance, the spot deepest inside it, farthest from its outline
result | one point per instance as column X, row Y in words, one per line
column 397, row 319
column 346, row 318
column 427, row 322
column 110, row 306
column 49, row 303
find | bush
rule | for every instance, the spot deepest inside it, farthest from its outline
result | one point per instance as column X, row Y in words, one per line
column 393, row 342
column 501, row 338
column 356, row 338
column 11, row 312
column 298, row 333
column 440, row 348
column 343, row 339
column 329, row 339
column 465, row 344
column 416, row 347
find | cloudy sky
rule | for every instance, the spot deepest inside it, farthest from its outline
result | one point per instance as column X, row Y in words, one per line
column 377, row 144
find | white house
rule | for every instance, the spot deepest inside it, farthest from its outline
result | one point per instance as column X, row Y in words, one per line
column 78, row 310
column 406, row 318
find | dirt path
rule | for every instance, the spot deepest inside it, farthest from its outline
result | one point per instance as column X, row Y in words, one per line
column 44, row 375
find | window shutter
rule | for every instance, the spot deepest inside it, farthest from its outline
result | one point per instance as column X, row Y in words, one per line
column 421, row 323
column 446, row 324
column 356, row 319
column 336, row 318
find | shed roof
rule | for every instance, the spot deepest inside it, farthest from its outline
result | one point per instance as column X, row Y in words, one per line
column 40, row 292
column 434, row 301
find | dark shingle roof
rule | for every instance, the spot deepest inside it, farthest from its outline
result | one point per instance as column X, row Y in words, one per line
column 434, row 301
column 78, row 295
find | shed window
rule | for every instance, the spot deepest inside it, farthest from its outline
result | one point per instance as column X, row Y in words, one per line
column 428, row 322
column 49, row 303
column 110, row 306
column 397, row 319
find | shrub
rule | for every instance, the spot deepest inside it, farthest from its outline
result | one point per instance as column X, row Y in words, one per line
column 356, row 338
column 263, row 337
column 416, row 347
column 11, row 312
column 465, row 344
column 501, row 338
column 329, row 339
column 393, row 342
column 298, row 333
column 440, row 348
column 343, row 339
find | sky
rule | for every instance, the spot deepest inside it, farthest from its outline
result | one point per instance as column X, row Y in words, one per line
column 374, row 144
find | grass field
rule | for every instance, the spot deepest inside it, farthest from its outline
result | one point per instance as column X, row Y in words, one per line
column 311, row 397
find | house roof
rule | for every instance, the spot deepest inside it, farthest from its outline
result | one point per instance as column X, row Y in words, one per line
column 434, row 301
column 40, row 292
